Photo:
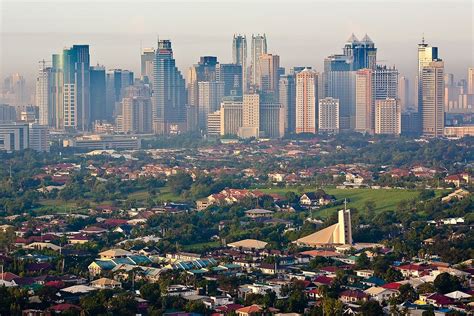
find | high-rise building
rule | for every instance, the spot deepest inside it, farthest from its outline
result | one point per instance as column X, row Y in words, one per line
column 388, row 117
column 341, row 85
column 98, row 93
column 58, row 91
column 386, row 82
column 365, row 101
column 306, row 101
column 117, row 80
column 267, row 82
column 239, row 57
column 426, row 54
column 147, row 59
column 231, row 115
column 44, row 95
column 363, row 53
column 231, row 76
column 287, row 91
column 250, row 116
column 76, row 72
column 470, row 80
column 14, row 90
column 404, row 93
column 271, row 119
column 169, row 92
column 137, row 109
column 328, row 121
column 7, row 113
column 214, row 124
column 38, row 137
column 259, row 47
column 14, row 136
column 210, row 97
column 432, row 105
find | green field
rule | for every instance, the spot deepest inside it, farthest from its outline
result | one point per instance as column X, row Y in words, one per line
column 384, row 199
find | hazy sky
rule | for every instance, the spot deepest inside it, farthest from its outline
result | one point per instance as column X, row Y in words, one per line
column 301, row 32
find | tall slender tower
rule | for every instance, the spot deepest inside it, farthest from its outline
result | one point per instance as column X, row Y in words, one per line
column 470, row 80
column 404, row 92
column 267, row 82
column 287, row 91
column 432, row 106
column 169, row 92
column 147, row 60
column 365, row 101
column 426, row 54
column 259, row 47
column 239, row 57
column 306, row 101
column 44, row 89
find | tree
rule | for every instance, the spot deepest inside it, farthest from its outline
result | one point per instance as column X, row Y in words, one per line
column 180, row 182
column 7, row 238
column 392, row 275
column 362, row 261
column 371, row 308
column 426, row 288
column 196, row 306
column 445, row 283
column 407, row 293
column 151, row 292
column 332, row 307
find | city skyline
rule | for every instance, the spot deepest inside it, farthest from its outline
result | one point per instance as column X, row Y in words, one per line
column 305, row 45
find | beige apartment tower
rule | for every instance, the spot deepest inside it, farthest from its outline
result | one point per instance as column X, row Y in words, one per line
column 306, row 101
column 328, row 115
column 432, row 106
column 388, row 117
column 250, row 116
column 364, row 121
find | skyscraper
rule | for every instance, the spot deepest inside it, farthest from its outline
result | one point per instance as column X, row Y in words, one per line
column 137, row 109
column 259, row 47
column 250, row 116
column 147, row 59
column 239, row 57
column 365, row 101
column 388, row 117
column 98, row 93
column 341, row 85
column 76, row 72
column 432, row 105
column 117, row 80
column 363, row 53
column 386, row 82
column 14, row 90
column 426, row 54
column 328, row 121
column 271, row 119
column 231, row 115
column 287, row 91
column 44, row 95
column 306, row 101
column 58, row 91
column 470, row 80
column 231, row 76
column 267, row 82
column 169, row 92
column 404, row 93
column 210, row 96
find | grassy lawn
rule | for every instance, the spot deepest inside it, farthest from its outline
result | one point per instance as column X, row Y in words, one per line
column 200, row 246
column 164, row 195
column 59, row 206
column 385, row 199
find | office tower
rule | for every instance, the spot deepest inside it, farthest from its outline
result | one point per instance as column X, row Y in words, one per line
column 98, row 94
column 13, row 136
column 341, row 85
column 328, row 115
column 363, row 53
column 287, row 92
column 432, row 106
column 58, row 91
column 169, row 92
column 76, row 72
column 259, row 47
column 338, row 63
column 426, row 54
column 470, row 80
column 386, row 82
column 137, row 109
column 388, row 117
column 231, row 115
column 14, row 90
column 231, row 76
column 267, row 81
column 147, row 59
column 7, row 113
column 210, row 96
column 38, row 137
column 404, row 93
column 306, row 101
column 117, row 80
column 365, row 101
column 239, row 57
column 271, row 120
column 452, row 93
column 214, row 124
column 44, row 95
column 250, row 116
